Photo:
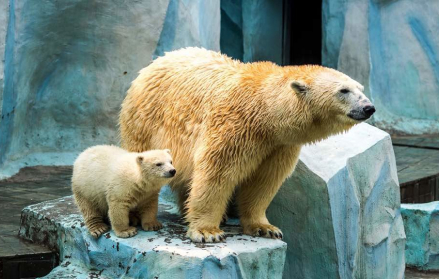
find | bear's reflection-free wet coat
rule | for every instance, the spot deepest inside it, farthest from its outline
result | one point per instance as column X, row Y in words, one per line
column 230, row 123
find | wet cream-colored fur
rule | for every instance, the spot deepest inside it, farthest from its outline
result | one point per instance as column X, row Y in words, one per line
column 232, row 126
column 110, row 182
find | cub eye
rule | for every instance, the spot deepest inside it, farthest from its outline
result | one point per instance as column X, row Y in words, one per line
column 159, row 164
column 344, row 91
column 171, row 162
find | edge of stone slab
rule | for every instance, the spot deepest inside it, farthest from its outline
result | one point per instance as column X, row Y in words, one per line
column 334, row 151
column 56, row 223
column 419, row 253
column 427, row 207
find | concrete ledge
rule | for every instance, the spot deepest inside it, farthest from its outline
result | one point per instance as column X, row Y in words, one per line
column 164, row 254
column 340, row 209
column 421, row 223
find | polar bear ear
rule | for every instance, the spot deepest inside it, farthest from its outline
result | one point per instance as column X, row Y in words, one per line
column 139, row 159
column 168, row 151
column 299, row 86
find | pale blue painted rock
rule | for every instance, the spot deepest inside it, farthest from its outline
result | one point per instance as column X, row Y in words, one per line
column 163, row 254
column 262, row 31
column 252, row 30
column 340, row 209
column 231, row 40
column 392, row 48
column 68, row 64
column 190, row 23
column 4, row 14
column 421, row 222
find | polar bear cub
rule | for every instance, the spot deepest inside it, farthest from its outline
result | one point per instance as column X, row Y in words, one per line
column 110, row 182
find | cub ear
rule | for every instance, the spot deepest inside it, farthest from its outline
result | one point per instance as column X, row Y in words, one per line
column 168, row 151
column 139, row 159
column 299, row 86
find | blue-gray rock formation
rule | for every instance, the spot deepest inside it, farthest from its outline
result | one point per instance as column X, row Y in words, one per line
column 421, row 222
column 163, row 254
column 68, row 65
column 340, row 209
column 251, row 30
column 392, row 48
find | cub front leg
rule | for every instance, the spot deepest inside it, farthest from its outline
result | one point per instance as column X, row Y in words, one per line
column 257, row 192
column 118, row 213
column 148, row 209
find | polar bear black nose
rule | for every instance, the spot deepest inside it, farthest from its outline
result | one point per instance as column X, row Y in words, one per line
column 369, row 110
column 173, row 172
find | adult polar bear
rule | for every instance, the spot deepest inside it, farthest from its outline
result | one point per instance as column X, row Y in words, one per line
column 229, row 123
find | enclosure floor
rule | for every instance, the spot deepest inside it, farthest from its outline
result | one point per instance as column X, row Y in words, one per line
column 417, row 161
column 31, row 185
column 414, row 274
column 416, row 157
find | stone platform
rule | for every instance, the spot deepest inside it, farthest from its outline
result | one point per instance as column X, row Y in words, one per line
column 421, row 223
column 340, row 209
column 164, row 254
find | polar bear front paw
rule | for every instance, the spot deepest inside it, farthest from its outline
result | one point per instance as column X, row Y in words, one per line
column 152, row 226
column 129, row 232
column 98, row 229
column 264, row 230
column 206, row 235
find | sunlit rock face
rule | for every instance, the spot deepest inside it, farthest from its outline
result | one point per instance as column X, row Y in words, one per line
column 68, row 64
column 421, row 222
column 392, row 48
column 341, row 209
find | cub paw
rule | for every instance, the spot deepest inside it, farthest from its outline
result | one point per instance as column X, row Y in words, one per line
column 131, row 231
column 206, row 235
column 98, row 229
column 152, row 226
column 264, row 230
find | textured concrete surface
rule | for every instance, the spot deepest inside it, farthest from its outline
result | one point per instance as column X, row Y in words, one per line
column 421, row 222
column 189, row 23
column 392, row 48
column 69, row 63
column 4, row 16
column 341, row 209
column 164, row 254
column 251, row 30
column 231, row 39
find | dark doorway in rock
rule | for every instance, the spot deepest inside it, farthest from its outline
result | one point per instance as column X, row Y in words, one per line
column 302, row 43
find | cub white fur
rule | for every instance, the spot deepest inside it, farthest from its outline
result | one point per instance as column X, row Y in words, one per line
column 110, row 182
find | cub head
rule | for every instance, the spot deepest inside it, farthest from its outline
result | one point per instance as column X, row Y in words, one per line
column 333, row 99
column 156, row 164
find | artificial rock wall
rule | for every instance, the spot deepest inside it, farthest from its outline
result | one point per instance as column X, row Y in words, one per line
column 340, row 209
column 67, row 66
column 392, row 48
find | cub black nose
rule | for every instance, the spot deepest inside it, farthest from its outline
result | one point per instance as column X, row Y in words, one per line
column 369, row 110
column 173, row 172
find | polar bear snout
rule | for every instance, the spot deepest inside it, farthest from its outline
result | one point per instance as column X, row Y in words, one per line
column 369, row 110
column 362, row 113
column 171, row 173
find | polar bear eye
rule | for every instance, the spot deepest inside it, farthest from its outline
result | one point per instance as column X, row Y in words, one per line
column 344, row 91
column 159, row 164
column 170, row 162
